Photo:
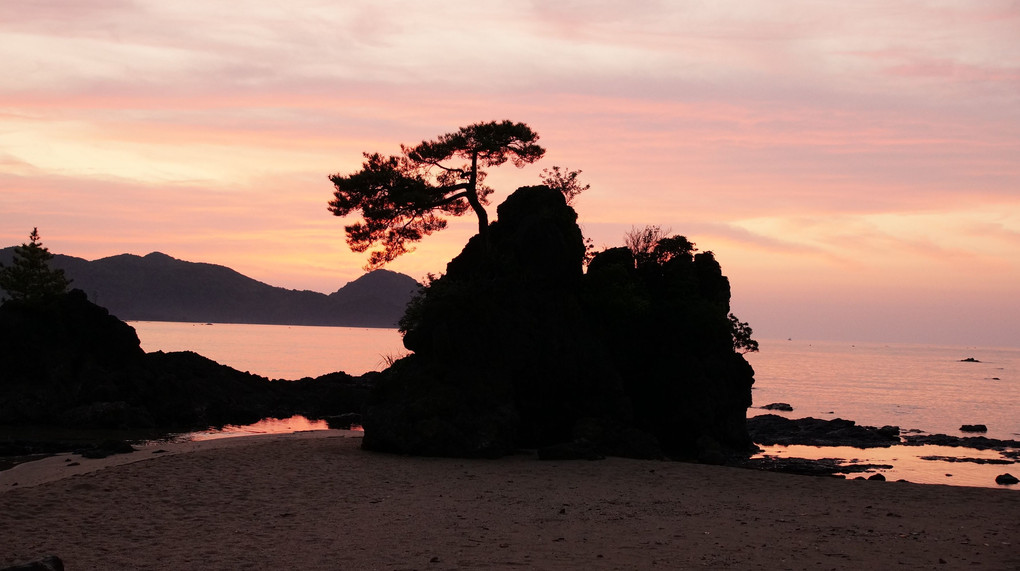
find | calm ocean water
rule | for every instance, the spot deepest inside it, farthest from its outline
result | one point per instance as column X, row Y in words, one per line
column 922, row 387
column 277, row 351
column 912, row 386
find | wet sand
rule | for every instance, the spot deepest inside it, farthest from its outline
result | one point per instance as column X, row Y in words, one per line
column 316, row 501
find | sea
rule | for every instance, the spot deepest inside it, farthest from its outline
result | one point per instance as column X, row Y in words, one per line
column 923, row 388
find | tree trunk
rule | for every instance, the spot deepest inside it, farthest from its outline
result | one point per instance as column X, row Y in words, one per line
column 472, row 197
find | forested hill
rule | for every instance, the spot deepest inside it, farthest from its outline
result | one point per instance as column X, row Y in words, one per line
column 158, row 287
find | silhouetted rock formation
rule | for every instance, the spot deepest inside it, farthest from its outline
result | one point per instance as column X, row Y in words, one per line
column 157, row 287
column 515, row 347
column 68, row 362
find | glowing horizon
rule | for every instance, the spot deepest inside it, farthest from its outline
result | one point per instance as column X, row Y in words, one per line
column 854, row 167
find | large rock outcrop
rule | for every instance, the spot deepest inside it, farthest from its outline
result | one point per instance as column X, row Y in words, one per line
column 515, row 347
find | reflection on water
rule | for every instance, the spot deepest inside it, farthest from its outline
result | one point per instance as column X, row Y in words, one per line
column 909, row 464
column 264, row 426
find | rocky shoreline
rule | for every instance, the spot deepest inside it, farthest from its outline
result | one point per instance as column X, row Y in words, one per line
column 765, row 430
column 771, row 429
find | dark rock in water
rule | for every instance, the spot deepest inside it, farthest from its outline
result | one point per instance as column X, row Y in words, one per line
column 802, row 466
column 877, row 477
column 778, row 406
column 1006, row 479
column 975, row 442
column 769, row 429
column 973, row 428
column 890, row 431
column 969, row 360
column 954, row 459
column 576, row 450
column 810, row 467
column 105, row 448
column 343, row 421
column 49, row 563
column 515, row 347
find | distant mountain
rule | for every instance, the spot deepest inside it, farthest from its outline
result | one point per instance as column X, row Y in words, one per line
column 158, row 287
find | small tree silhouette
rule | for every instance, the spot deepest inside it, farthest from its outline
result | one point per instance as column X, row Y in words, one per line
column 565, row 181
column 30, row 278
column 402, row 198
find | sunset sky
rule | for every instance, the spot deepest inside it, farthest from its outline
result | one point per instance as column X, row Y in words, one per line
column 855, row 166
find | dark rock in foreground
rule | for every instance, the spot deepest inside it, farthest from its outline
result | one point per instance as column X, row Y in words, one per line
column 515, row 347
column 69, row 363
column 771, row 429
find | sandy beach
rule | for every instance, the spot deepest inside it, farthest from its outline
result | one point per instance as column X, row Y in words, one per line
column 316, row 501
